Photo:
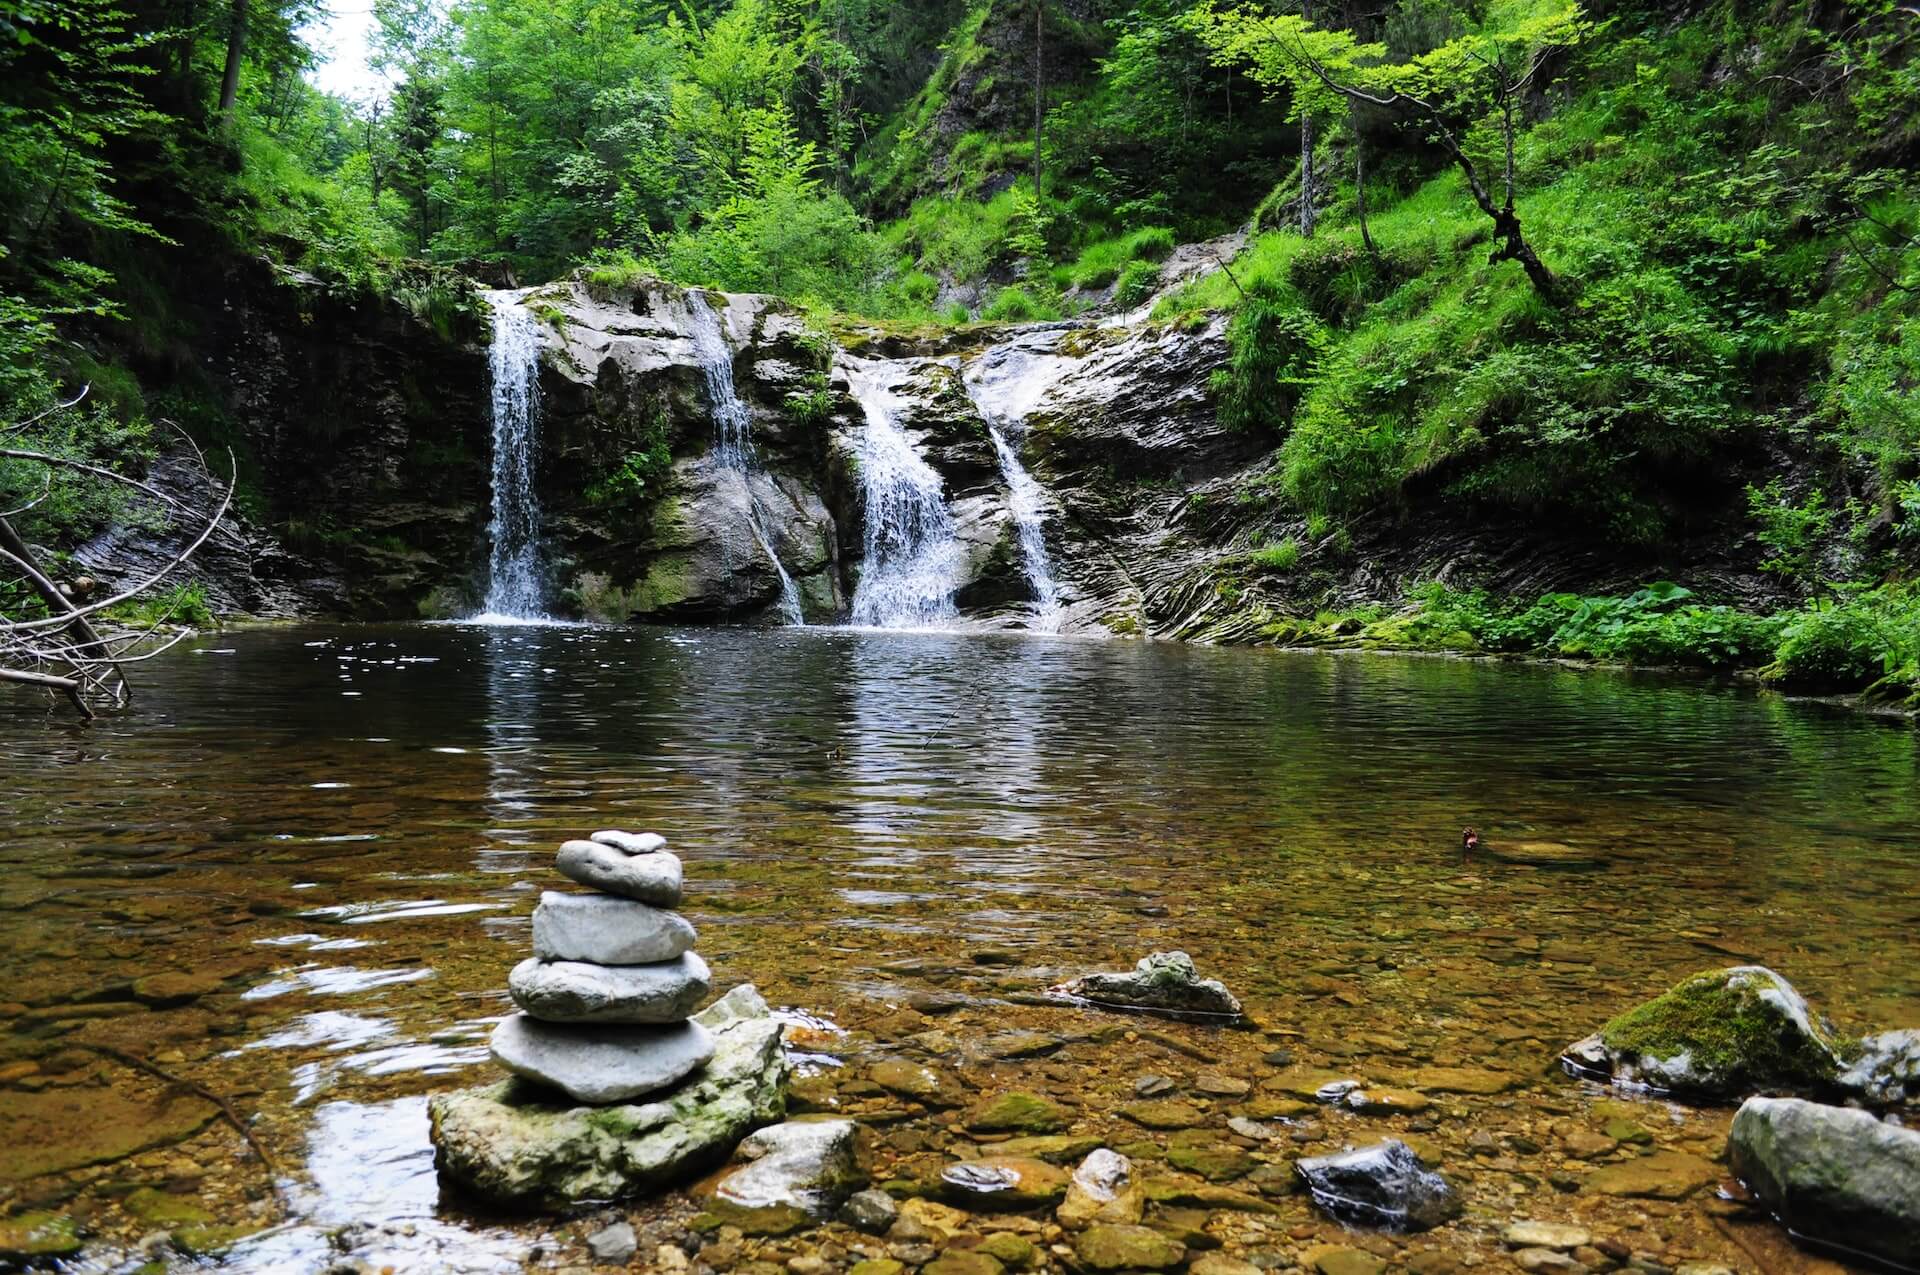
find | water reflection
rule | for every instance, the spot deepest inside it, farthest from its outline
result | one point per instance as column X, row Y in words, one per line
column 862, row 813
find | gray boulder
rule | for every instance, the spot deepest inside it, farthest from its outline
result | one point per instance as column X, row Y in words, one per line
column 1381, row 1186
column 576, row 992
column 653, row 877
column 1885, row 1070
column 606, row 931
column 1833, row 1175
column 1164, row 983
column 1717, row 1036
column 517, row 1146
column 600, row 1064
column 811, row 1165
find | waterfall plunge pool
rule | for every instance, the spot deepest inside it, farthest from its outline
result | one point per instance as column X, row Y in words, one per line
column 339, row 832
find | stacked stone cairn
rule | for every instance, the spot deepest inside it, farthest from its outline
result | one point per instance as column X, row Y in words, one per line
column 606, row 997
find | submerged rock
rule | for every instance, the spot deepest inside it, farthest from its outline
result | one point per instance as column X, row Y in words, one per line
column 1005, row 1182
column 809, row 1165
column 653, row 877
column 603, row 930
column 1664, row 1175
column 1716, row 1036
column 1886, row 1069
column 1164, row 983
column 577, row 992
column 513, row 1144
column 600, row 1063
column 1380, row 1186
column 1102, row 1189
column 1833, row 1175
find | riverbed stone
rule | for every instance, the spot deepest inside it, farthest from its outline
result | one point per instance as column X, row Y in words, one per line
column 1554, row 1235
column 917, row 1081
column 1664, row 1175
column 811, row 1165
column 1165, row 983
column 630, row 842
column 1110, row 1247
column 653, row 878
column 56, row 1129
column 1382, row 1186
column 600, row 1064
column 579, row 992
column 871, row 1210
column 519, row 1146
column 37, row 1237
column 1017, row 1112
column 1004, row 1183
column 1054, row 1148
column 1716, row 1036
column 615, row 1245
column 1834, row 1174
column 1164, row 1113
column 1885, row 1069
column 1336, row 1260
column 1101, row 1189
column 603, row 930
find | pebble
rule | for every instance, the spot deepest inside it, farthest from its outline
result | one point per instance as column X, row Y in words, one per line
column 630, row 842
column 615, row 1245
column 1552, row 1235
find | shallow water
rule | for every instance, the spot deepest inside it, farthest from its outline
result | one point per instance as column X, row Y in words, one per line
column 351, row 826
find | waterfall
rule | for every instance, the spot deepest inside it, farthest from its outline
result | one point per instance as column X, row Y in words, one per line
column 513, row 565
column 912, row 554
column 733, row 436
column 1004, row 384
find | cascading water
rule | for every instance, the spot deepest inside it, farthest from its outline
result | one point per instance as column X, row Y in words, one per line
column 513, row 566
column 733, row 436
column 1003, row 385
column 912, row 554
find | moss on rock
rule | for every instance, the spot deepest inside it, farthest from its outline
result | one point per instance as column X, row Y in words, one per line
column 1718, row 1035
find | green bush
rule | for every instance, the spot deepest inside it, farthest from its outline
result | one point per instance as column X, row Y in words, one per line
column 1284, row 556
column 1137, row 282
column 1845, row 644
column 1017, row 305
column 1274, row 348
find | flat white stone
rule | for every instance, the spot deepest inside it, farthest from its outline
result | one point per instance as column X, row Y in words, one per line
column 649, row 878
column 601, row 1064
column 606, row 931
column 577, row 992
column 630, row 842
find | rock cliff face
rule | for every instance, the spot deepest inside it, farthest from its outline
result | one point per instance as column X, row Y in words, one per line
column 1092, row 444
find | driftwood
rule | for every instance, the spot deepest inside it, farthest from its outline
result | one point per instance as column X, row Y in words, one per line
column 64, row 651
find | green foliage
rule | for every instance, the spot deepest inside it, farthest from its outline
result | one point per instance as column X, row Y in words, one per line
column 1860, row 639
column 641, row 473
column 183, row 604
column 1790, row 530
column 1137, row 281
column 1284, row 556
column 1274, row 350
column 1018, row 305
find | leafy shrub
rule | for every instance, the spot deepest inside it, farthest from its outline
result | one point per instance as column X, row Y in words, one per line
column 1274, row 352
column 1843, row 644
column 1137, row 282
column 1017, row 305
column 1791, row 530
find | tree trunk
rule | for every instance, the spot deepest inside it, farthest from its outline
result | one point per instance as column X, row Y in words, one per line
column 1039, row 87
column 1306, row 176
column 236, row 45
column 1306, row 153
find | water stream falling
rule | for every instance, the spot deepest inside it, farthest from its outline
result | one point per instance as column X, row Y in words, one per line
column 912, row 558
column 513, row 566
column 733, row 436
column 1004, row 384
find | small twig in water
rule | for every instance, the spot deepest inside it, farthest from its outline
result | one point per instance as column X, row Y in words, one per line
column 226, row 1108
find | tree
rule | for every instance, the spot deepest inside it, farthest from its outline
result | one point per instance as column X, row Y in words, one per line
column 1480, row 75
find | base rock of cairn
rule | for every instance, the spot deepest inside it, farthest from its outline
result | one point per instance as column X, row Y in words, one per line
column 619, row 1086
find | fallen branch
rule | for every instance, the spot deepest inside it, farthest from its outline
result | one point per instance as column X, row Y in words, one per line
column 226, row 1108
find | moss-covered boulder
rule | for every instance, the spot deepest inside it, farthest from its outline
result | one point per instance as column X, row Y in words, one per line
column 513, row 1145
column 1718, row 1036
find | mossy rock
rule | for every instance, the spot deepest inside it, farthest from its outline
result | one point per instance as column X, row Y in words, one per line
column 1717, row 1036
column 1018, row 1112
column 158, row 1208
column 27, row 1237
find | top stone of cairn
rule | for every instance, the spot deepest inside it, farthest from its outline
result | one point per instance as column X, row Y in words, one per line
column 631, row 865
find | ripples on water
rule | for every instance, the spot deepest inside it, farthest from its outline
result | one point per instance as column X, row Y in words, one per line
column 353, row 824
